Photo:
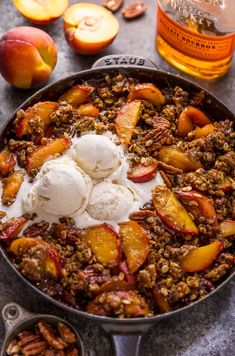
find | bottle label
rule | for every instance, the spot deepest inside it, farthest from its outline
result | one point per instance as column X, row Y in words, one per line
column 193, row 44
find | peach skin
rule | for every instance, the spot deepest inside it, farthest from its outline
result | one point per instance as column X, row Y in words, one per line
column 27, row 57
column 41, row 11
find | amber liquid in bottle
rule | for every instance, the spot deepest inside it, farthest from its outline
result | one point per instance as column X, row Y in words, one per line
column 191, row 42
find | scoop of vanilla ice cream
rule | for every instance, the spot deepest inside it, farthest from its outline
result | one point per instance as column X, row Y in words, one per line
column 61, row 188
column 97, row 155
column 109, row 201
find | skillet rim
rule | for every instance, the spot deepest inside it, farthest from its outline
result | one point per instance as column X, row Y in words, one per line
column 70, row 80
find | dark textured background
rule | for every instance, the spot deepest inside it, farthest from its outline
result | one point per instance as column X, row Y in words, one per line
column 208, row 328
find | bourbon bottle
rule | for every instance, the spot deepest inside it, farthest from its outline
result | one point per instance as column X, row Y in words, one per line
column 197, row 36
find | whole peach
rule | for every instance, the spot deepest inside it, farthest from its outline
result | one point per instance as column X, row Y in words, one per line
column 27, row 57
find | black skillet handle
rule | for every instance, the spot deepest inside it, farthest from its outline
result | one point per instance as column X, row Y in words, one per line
column 124, row 60
column 126, row 339
column 126, row 345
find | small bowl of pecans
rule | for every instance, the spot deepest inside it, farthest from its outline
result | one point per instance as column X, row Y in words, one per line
column 38, row 334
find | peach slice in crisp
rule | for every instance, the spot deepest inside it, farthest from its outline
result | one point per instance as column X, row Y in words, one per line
column 51, row 262
column 135, row 244
column 76, row 95
column 227, row 228
column 129, row 277
column 141, row 173
column 148, row 92
column 88, row 110
column 42, row 110
column 11, row 186
column 43, row 153
column 171, row 211
column 204, row 131
column 198, row 204
column 189, row 118
column 177, row 158
column 126, row 120
column 201, row 257
column 89, row 28
column 104, row 243
column 41, row 11
column 7, row 162
column 134, row 305
column 160, row 300
column 12, row 228
column 116, row 284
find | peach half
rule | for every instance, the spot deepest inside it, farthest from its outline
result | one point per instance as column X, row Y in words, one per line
column 27, row 57
column 41, row 11
column 89, row 28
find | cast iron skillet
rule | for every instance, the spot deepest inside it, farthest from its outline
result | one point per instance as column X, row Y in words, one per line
column 125, row 333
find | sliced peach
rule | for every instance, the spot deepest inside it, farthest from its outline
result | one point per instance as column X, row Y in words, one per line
column 133, row 305
column 197, row 204
column 7, row 162
column 105, row 244
column 141, row 173
column 12, row 228
column 161, row 301
column 185, row 126
column 227, row 184
column 43, row 110
column 51, row 263
column 227, row 228
column 189, row 117
column 172, row 212
column 127, row 119
column 130, row 278
column 135, row 244
column 175, row 157
column 89, row 28
column 76, row 95
column 204, row 131
column 88, row 110
column 43, row 153
column 11, row 186
column 116, row 284
column 148, row 92
column 41, row 11
column 201, row 257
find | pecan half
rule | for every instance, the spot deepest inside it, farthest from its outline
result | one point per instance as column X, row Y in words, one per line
column 48, row 334
column 66, row 333
column 155, row 139
column 168, row 168
column 158, row 121
column 34, row 348
column 134, row 10
column 166, row 179
column 112, row 5
column 144, row 217
column 29, row 339
column 72, row 352
column 37, row 229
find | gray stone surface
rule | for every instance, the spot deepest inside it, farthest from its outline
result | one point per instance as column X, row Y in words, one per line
column 208, row 328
